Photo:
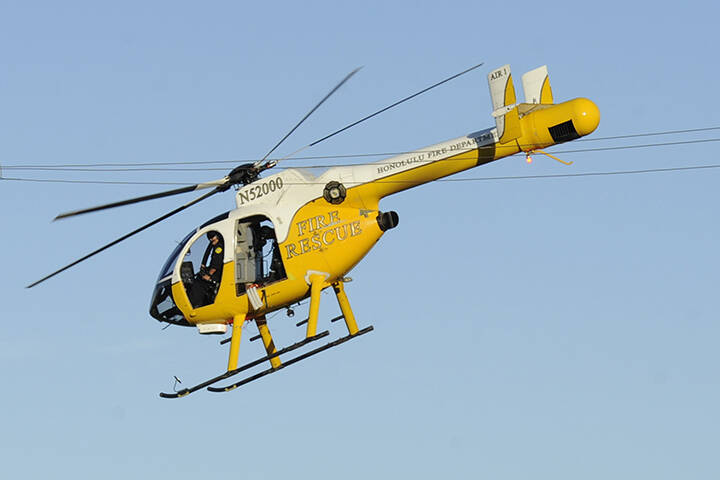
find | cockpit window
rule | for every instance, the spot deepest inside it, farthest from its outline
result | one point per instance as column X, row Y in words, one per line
column 201, row 269
column 170, row 262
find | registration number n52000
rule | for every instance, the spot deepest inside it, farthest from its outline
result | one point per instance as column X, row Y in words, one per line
column 255, row 191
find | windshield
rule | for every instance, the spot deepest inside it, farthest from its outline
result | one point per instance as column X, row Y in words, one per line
column 163, row 308
column 170, row 262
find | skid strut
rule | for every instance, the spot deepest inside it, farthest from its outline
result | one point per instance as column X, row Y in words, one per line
column 315, row 290
column 268, row 341
column 316, row 286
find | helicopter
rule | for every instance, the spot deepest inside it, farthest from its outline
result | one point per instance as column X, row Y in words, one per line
column 293, row 234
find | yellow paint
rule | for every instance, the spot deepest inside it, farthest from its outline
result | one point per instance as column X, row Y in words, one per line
column 372, row 192
column 316, row 285
column 554, row 157
column 509, row 92
column 511, row 119
column 347, row 312
column 235, row 341
column 512, row 126
column 226, row 304
column 584, row 114
column 546, row 95
column 268, row 341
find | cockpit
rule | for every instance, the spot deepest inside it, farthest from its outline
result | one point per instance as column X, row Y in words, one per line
column 247, row 245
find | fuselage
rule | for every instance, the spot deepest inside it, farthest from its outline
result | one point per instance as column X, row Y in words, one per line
column 326, row 224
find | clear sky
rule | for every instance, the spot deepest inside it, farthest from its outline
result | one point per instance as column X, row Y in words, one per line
column 556, row 328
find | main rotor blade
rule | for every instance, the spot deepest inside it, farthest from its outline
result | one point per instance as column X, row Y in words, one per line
column 126, row 236
column 347, row 77
column 395, row 104
column 130, row 201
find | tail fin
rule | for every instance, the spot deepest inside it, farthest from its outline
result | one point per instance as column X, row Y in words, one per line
column 504, row 102
column 536, row 84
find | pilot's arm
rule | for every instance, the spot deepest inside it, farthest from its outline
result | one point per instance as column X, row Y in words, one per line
column 216, row 261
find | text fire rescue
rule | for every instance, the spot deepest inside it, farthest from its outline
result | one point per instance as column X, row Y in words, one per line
column 324, row 230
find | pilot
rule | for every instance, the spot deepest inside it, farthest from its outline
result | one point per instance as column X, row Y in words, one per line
column 213, row 258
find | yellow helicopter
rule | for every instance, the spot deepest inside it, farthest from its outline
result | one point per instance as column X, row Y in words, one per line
column 293, row 234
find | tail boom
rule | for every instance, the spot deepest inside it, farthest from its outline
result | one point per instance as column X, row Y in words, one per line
column 520, row 127
column 539, row 129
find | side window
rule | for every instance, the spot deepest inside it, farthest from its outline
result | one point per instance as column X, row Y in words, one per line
column 201, row 270
column 257, row 255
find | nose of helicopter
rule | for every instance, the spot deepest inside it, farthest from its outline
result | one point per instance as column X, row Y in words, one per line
column 163, row 307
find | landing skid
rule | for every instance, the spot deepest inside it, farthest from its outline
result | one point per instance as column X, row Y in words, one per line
column 289, row 362
column 187, row 391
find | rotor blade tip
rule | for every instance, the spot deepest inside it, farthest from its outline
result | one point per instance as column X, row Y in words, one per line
column 62, row 216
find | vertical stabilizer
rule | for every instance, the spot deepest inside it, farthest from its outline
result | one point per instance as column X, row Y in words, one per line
column 536, row 84
column 502, row 93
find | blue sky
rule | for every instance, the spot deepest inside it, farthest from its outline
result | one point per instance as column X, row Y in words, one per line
column 551, row 328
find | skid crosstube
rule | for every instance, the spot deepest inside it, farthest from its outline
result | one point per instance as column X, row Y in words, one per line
column 291, row 361
column 228, row 374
